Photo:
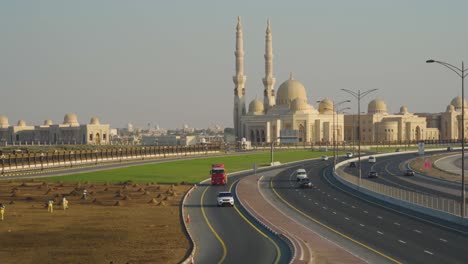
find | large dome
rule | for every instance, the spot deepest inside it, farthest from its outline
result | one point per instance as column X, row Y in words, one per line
column 94, row 121
column 48, row 122
column 403, row 110
column 326, row 106
column 290, row 90
column 70, row 119
column 256, row 107
column 4, row 122
column 377, row 106
column 457, row 103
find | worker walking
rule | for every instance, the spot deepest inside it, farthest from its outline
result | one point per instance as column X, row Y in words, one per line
column 65, row 203
column 84, row 194
column 50, row 206
column 2, row 210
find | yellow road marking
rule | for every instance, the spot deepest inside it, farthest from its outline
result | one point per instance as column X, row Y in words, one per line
column 211, row 227
column 329, row 228
column 278, row 252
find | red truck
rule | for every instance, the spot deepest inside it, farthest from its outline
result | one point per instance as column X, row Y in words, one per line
column 218, row 174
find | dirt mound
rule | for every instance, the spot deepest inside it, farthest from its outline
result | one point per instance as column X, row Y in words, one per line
column 146, row 193
column 48, row 191
column 95, row 200
column 141, row 190
column 91, row 186
column 74, row 193
column 106, row 189
column 162, row 203
column 15, row 194
column 118, row 194
column 136, row 185
column 153, row 201
column 159, row 196
column 29, row 198
column 126, row 197
column 12, row 202
column 118, row 203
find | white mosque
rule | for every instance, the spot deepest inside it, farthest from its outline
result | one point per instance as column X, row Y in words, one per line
column 288, row 117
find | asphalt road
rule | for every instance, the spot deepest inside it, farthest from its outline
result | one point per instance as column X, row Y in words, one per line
column 383, row 229
column 228, row 234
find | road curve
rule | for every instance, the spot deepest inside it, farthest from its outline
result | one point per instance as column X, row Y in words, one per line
column 229, row 234
column 373, row 225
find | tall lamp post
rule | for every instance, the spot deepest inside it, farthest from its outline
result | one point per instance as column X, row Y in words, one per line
column 336, row 129
column 462, row 73
column 358, row 96
column 3, row 163
column 42, row 161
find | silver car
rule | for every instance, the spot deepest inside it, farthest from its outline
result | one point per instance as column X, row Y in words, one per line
column 225, row 198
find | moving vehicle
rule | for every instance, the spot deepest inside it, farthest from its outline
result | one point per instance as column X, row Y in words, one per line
column 352, row 164
column 305, row 183
column 372, row 159
column 409, row 172
column 349, row 155
column 372, row 174
column 324, row 157
column 225, row 198
column 218, row 174
column 301, row 174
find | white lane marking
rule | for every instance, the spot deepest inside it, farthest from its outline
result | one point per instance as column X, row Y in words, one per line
column 335, row 199
column 366, row 212
column 334, row 212
column 380, row 233
column 354, row 207
column 316, row 203
column 362, row 225
column 401, row 241
column 428, row 252
column 328, row 195
column 310, row 199
column 324, row 208
column 343, row 202
column 417, row 231
column 379, row 217
column 443, row 240
column 346, row 218
column 396, row 224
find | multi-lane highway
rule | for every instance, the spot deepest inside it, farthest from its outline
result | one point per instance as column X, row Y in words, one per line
column 228, row 234
column 375, row 226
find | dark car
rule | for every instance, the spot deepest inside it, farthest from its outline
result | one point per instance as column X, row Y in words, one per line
column 305, row 183
column 397, row 150
column 372, row 174
column 449, row 148
column 409, row 173
column 352, row 164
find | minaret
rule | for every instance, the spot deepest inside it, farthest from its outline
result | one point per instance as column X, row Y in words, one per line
column 239, row 82
column 269, row 80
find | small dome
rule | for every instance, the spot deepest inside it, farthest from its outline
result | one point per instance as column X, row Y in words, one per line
column 377, row 106
column 94, row 121
column 70, row 119
column 326, row 106
column 450, row 108
column 298, row 105
column 403, row 110
column 290, row 90
column 457, row 103
column 48, row 122
column 256, row 107
column 4, row 122
column 21, row 123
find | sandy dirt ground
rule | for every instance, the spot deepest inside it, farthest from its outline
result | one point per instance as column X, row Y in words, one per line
column 117, row 223
column 418, row 165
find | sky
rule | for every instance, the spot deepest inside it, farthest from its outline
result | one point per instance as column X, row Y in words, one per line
column 171, row 63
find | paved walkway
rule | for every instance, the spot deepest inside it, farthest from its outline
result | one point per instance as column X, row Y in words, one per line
column 310, row 246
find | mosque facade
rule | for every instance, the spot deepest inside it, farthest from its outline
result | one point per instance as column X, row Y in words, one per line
column 69, row 132
column 284, row 116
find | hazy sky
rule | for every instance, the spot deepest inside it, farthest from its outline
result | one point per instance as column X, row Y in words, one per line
column 171, row 62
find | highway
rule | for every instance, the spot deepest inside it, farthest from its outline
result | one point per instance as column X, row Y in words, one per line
column 378, row 227
column 228, row 234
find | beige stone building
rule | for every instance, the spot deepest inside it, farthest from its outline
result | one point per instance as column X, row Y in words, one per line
column 378, row 126
column 69, row 132
column 286, row 116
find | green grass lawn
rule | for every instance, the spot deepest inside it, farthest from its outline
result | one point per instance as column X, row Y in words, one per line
column 191, row 171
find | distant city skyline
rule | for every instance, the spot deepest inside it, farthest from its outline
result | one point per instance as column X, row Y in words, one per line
column 171, row 63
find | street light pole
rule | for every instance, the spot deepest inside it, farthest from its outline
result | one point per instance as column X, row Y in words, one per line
column 336, row 145
column 462, row 73
column 358, row 96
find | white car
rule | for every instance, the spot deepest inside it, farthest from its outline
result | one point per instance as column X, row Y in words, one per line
column 372, row 159
column 349, row 155
column 225, row 198
column 324, row 157
column 301, row 174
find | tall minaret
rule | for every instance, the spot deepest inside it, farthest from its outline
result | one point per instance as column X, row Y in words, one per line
column 269, row 80
column 239, row 82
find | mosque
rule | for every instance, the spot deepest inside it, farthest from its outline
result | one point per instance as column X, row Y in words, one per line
column 69, row 132
column 287, row 117
column 284, row 117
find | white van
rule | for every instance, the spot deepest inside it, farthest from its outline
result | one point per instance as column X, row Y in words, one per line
column 301, row 174
column 372, row 159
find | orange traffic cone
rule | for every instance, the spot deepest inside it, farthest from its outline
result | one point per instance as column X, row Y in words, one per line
column 192, row 261
column 188, row 219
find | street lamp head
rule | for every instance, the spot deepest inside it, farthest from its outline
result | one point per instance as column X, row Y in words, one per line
column 430, row 61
